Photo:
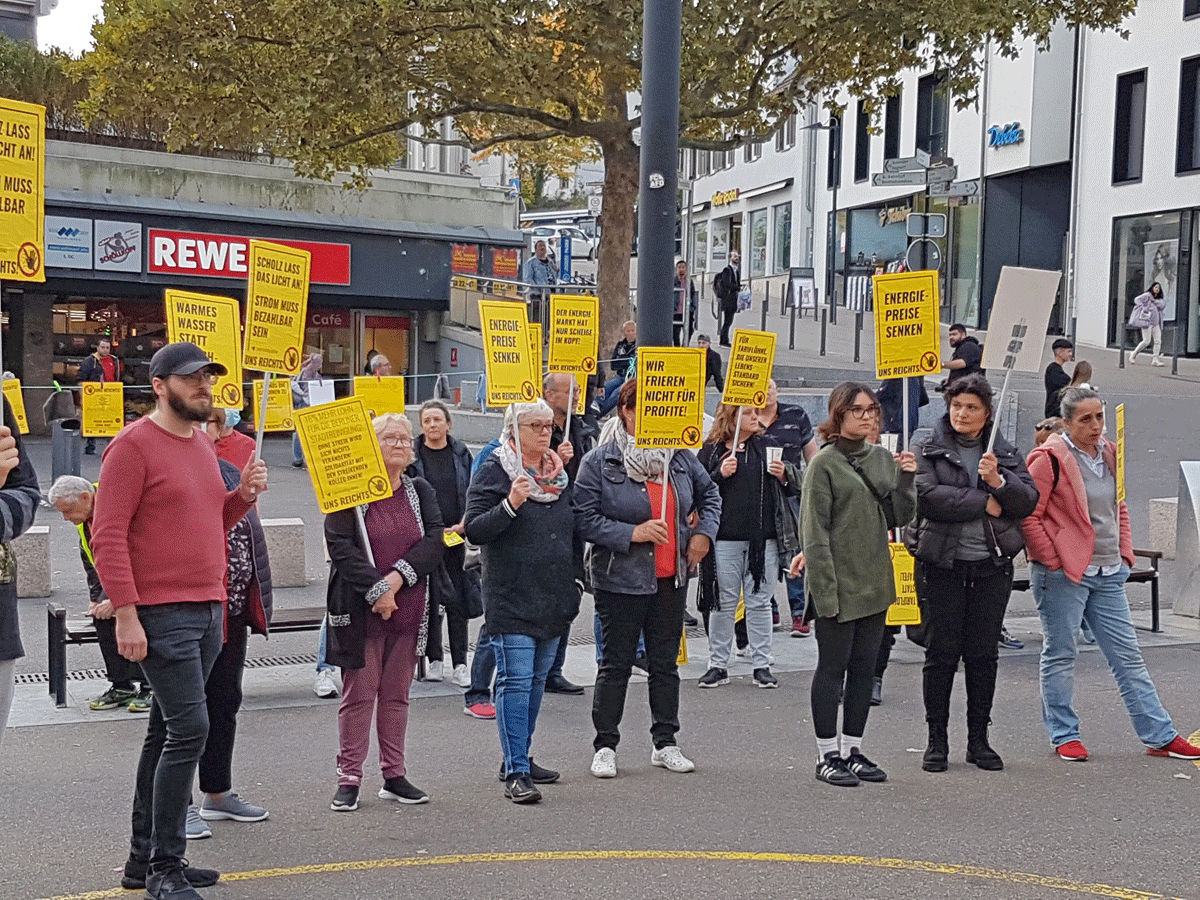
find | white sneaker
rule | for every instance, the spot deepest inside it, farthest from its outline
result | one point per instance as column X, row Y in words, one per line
column 604, row 763
column 671, row 759
column 461, row 676
column 1157, row 362
column 433, row 671
column 325, row 687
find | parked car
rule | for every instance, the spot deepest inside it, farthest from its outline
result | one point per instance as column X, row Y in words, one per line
column 582, row 246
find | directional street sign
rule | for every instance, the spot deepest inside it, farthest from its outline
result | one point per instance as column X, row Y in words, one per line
column 922, row 158
column 943, row 174
column 884, row 179
column 957, row 189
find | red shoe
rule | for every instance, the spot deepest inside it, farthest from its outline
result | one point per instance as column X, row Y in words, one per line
column 483, row 710
column 1074, row 751
column 800, row 628
column 1177, row 749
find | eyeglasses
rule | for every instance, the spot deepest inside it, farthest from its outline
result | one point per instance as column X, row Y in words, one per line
column 395, row 442
column 539, row 427
column 864, row 412
column 204, row 376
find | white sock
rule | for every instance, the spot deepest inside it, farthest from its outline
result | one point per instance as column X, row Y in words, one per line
column 826, row 745
column 850, row 744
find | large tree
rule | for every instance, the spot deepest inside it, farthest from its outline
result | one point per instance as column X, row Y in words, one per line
column 331, row 84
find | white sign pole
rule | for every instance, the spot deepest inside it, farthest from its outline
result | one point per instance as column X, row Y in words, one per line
column 262, row 416
column 999, row 409
column 666, row 486
column 902, row 443
column 737, row 432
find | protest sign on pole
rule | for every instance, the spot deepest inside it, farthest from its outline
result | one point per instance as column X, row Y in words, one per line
column 574, row 333
column 103, row 413
column 535, row 348
column 22, row 191
column 670, row 397
column 509, row 364
column 214, row 325
column 16, row 399
column 907, row 334
column 276, row 307
column 749, row 374
column 344, row 460
column 279, row 412
column 905, row 610
column 1120, row 453
column 381, row 393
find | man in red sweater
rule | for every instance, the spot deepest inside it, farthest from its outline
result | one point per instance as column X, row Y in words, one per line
column 159, row 541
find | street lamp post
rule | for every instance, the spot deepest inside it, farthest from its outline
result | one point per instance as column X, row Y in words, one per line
column 834, row 127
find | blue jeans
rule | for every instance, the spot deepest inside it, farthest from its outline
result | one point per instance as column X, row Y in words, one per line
column 483, row 667
column 1099, row 600
column 612, row 388
column 734, row 581
column 322, row 643
column 297, row 450
column 521, row 666
column 182, row 643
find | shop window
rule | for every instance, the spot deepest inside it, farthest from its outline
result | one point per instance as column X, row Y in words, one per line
column 1145, row 250
column 933, row 113
column 891, row 128
column 833, row 166
column 700, row 243
column 758, row 243
column 1129, row 129
column 781, row 256
column 862, row 143
column 1187, row 154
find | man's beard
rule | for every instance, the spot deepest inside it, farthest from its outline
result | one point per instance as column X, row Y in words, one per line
column 192, row 414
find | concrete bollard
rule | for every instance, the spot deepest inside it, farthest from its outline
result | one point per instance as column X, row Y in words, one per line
column 1164, row 515
column 1184, row 588
column 285, row 547
column 32, row 550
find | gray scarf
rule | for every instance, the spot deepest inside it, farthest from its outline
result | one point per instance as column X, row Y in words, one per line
column 642, row 464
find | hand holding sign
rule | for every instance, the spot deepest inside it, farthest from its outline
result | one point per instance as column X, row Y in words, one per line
column 254, row 480
column 9, row 457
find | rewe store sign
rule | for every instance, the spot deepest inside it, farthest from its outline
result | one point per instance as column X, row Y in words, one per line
column 224, row 255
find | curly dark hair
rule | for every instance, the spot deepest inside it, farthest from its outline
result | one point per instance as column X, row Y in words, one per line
column 971, row 384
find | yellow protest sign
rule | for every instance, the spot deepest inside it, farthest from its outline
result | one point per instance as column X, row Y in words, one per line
column 535, row 347
column 1121, row 453
column 574, row 333
column 279, row 404
column 511, row 377
column 16, row 399
column 907, row 338
column 750, row 363
column 681, row 658
column 670, row 397
column 344, row 459
column 103, row 408
column 276, row 307
column 214, row 325
column 381, row 394
column 905, row 610
column 22, row 191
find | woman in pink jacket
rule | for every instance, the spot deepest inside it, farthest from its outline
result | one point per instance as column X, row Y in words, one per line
column 1081, row 549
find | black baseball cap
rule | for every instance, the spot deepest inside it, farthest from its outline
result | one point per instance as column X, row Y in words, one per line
column 182, row 358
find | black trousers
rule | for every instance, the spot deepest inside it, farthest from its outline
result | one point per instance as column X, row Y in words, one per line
column 223, row 695
column 121, row 672
column 965, row 608
column 622, row 618
column 727, row 312
column 845, row 651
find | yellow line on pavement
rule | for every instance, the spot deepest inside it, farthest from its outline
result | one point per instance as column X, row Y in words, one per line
column 908, row 865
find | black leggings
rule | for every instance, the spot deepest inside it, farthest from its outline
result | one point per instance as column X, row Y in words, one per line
column 845, row 650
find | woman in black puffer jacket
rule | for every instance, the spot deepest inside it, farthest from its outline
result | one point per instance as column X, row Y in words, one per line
column 969, row 510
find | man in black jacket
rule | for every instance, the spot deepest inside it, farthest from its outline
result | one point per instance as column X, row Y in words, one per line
column 101, row 366
column 712, row 363
column 968, row 354
column 729, row 284
column 1056, row 376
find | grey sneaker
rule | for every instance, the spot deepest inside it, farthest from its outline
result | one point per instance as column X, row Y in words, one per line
column 231, row 807
column 197, row 828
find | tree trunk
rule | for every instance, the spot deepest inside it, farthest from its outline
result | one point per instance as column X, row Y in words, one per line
column 621, row 162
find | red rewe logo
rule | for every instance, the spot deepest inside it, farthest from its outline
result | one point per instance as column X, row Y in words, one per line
column 225, row 256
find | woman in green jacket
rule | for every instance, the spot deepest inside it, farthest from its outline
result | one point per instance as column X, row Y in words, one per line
column 854, row 492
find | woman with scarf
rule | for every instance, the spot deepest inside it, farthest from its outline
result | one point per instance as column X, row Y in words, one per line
column 757, row 529
column 380, row 560
column 519, row 514
column 638, row 568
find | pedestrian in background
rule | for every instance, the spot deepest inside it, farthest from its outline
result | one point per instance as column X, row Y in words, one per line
column 728, row 284
column 103, row 367
column 855, row 492
column 231, row 444
column 1056, row 377
column 638, row 567
column 712, row 363
column 380, row 561
column 309, row 370
column 686, row 305
column 1080, row 548
column 1147, row 315
column 622, row 355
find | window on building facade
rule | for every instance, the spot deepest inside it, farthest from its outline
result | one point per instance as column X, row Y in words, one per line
column 1129, row 128
column 933, row 113
column 891, row 128
column 758, row 243
column 703, row 163
column 781, row 255
column 1187, row 154
column 1191, row 8
column 862, row 143
column 833, row 165
column 1145, row 249
column 785, row 135
column 753, row 151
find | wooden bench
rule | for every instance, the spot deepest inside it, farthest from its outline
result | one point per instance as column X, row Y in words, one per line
column 1139, row 575
column 78, row 629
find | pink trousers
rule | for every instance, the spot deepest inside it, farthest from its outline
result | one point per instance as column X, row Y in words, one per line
column 380, row 690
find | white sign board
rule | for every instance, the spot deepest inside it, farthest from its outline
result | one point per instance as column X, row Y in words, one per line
column 1023, row 296
column 68, row 242
column 118, row 246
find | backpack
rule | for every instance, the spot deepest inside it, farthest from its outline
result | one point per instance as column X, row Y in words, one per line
column 719, row 285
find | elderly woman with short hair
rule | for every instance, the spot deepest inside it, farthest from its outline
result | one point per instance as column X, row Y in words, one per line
column 380, row 558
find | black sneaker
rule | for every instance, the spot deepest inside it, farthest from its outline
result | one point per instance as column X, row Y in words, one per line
column 134, row 876
column 170, row 885
column 519, row 789
column 400, row 790
column 764, row 679
column 346, row 798
column 714, row 678
column 864, row 768
column 833, row 770
column 537, row 774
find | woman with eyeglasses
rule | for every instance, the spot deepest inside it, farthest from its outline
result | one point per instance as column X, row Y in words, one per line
column 1080, row 548
column 756, row 535
column 854, row 492
column 969, row 509
column 519, row 514
column 381, row 557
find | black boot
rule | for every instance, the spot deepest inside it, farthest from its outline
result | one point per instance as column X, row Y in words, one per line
column 979, row 751
column 937, row 754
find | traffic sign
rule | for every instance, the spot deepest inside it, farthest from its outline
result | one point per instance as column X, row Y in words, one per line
column 919, row 160
column 923, row 254
column 884, row 179
column 595, row 204
column 942, row 174
column 957, row 189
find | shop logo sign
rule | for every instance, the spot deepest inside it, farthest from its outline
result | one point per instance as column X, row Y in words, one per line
column 118, row 246
column 68, row 242
column 1006, row 135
